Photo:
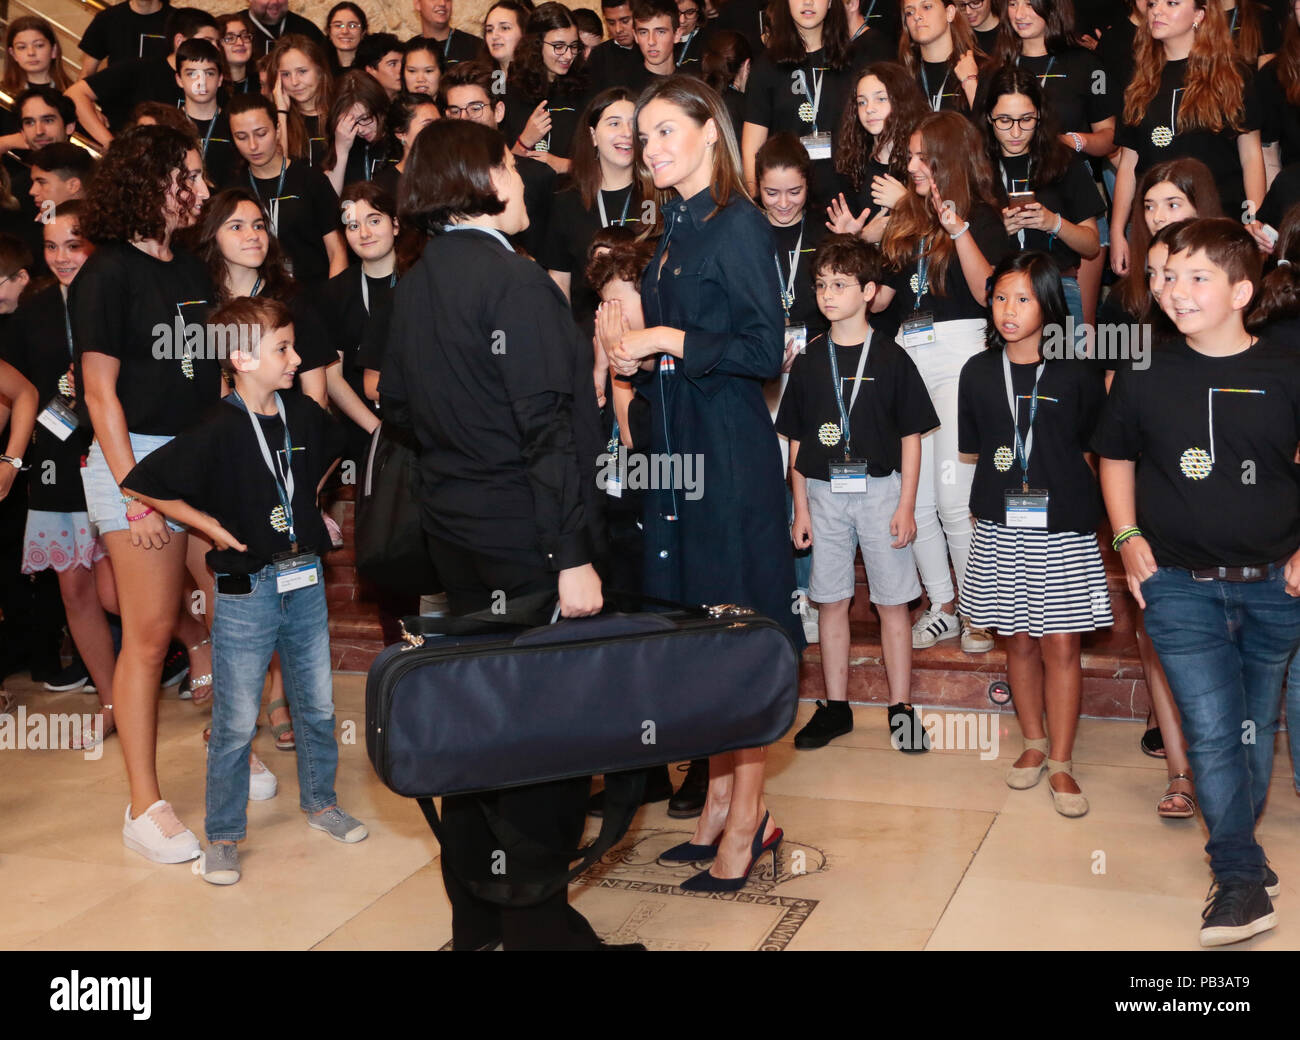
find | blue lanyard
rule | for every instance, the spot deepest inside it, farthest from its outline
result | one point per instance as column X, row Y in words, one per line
column 936, row 100
column 839, row 392
column 365, row 288
column 600, row 204
column 279, row 188
column 922, row 274
column 283, row 481
column 1025, row 446
column 1042, row 76
column 208, row 136
column 446, row 47
column 686, row 46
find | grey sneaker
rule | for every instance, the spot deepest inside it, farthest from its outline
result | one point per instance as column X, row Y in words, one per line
column 219, row 864
column 338, row 825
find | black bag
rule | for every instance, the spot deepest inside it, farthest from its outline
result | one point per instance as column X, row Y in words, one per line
column 389, row 541
column 487, row 709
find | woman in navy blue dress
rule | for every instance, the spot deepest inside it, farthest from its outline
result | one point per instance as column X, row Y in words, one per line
column 712, row 304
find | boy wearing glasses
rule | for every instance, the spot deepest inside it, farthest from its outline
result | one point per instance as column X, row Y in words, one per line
column 854, row 412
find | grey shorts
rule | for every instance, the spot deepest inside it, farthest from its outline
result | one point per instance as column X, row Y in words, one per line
column 840, row 524
column 104, row 506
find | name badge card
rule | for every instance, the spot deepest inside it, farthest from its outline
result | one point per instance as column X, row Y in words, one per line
column 296, row 572
column 58, row 418
column 918, row 330
column 849, row 477
column 796, row 337
column 817, row 145
column 614, row 474
column 1026, row 509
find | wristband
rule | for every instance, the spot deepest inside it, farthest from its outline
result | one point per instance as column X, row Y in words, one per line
column 282, row 111
column 964, row 228
column 1078, row 141
column 1124, row 535
column 1060, row 222
column 139, row 516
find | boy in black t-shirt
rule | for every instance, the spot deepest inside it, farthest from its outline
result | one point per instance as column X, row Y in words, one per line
column 855, row 461
column 198, row 74
column 248, row 477
column 1197, row 469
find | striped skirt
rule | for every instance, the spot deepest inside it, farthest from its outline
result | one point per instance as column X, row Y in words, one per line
column 1035, row 582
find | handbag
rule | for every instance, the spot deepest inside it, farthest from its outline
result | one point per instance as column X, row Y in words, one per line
column 389, row 539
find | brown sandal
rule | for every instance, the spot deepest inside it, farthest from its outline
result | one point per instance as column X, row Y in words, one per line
column 1188, row 808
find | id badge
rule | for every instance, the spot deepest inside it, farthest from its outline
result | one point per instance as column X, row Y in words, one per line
column 849, row 477
column 817, row 145
column 796, row 336
column 614, row 475
column 918, row 330
column 296, row 572
column 1026, row 509
column 58, row 418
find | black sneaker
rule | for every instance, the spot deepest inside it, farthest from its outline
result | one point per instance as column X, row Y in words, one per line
column 905, row 730
column 74, row 677
column 1236, row 910
column 1271, row 883
column 831, row 719
column 176, row 666
column 688, row 802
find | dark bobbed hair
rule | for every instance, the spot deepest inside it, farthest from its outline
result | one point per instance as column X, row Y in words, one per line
column 907, row 107
column 1049, row 159
column 127, row 192
column 410, row 241
column 786, row 47
column 353, row 87
column 584, row 174
column 848, row 254
column 277, row 283
column 782, row 152
column 1278, row 298
column 449, row 174
column 346, row 5
column 1044, row 280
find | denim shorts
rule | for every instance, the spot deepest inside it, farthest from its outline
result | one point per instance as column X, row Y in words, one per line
column 104, row 503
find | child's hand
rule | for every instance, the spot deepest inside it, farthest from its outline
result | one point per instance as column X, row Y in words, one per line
column 801, row 530
column 149, row 532
column 949, row 219
column 345, row 133
column 279, row 96
column 902, row 525
column 223, row 539
column 887, row 191
column 610, row 328
column 537, row 127
column 966, row 67
column 841, row 219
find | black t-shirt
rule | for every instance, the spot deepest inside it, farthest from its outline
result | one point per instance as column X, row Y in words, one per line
column 610, row 65
column 1281, row 118
column 117, row 34
column 1283, row 193
column 317, row 145
column 987, row 41
column 123, row 85
column 461, row 46
column 565, row 106
column 36, row 343
column 941, row 86
column 1214, row 439
column 308, row 211
column 217, row 466
column 572, row 228
column 956, row 303
column 805, row 236
column 1115, row 52
column 312, row 339
column 687, row 53
column 1217, row 150
column 1070, row 396
column 1074, row 196
column 265, row 35
column 127, row 304
column 539, row 199
column 344, row 308
column 1074, row 86
column 892, row 404
column 220, row 159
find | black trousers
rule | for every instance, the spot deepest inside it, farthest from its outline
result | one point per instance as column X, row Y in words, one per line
column 550, row 815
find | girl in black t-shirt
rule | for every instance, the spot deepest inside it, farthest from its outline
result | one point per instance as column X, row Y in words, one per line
column 1048, row 198
column 1279, row 96
column 345, row 27
column 1035, row 571
column 303, row 91
column 32, row 56
column 422, row 61
column 939, row 50
column 798, row 86
column 141, row 388
column 503, row 29
column 237, row 47
column 1254, row 31
column 1188, row 97
column 356, row 130
column 545, row 85
column 872, row 155
column 942, row 242
column 408, row 114
column 784, row 173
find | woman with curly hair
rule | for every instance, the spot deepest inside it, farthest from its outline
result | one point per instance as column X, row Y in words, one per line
column 1189, row 96
column 544, row 89
column 142, row 384
column 299, row 82
column 872, row 154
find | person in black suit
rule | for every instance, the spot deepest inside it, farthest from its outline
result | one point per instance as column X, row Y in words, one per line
column 271, row 19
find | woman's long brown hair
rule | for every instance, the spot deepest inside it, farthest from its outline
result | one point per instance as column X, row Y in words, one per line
column 1213, row 88
column 954, row 152
column 298, row 146
column 1287, row 62
column 963, row 40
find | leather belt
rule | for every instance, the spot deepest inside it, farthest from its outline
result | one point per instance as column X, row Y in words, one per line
column 1257, row 572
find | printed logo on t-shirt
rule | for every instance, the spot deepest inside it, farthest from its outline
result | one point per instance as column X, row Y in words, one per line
column 829, row 434
column 1197, row 463
column 1002, row 459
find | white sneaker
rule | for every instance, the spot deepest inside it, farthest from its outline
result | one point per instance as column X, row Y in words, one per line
column 809, row 615
column 933, row 627
column 262, row 784
column 158, row 834
column 975, row 640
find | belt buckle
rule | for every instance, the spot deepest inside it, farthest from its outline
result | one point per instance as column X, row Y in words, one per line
column 1198, row 577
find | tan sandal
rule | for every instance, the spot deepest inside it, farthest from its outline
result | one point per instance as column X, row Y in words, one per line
column 200, row 682
column 1188, row 809
column 282, row 731
column 1065, row 802
column 1021, row 778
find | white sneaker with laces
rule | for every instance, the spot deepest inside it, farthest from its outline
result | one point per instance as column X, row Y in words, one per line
column 262, row 784
column 933, row 627
column 975, row 640
column 158, row 835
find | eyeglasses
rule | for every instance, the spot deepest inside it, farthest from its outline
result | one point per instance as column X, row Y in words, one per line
column 970, row 5
column 558, row 49
column 1026, row 122
column 690, row 12
column 354, row 26
column 474, row 109
column 836, row 286
column 232, row 38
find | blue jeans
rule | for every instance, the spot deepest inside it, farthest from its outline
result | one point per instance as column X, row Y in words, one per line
column 1225, row 647
column 1293, row 716
column 248, row 628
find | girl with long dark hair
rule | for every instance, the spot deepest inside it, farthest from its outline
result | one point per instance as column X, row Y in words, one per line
column 300, row 84
column 503, row 28
column 32, row 56
column 407, row 115
column 938, row 49
column 346, row 26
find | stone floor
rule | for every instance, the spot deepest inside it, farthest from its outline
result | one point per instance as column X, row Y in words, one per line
column 882, row 851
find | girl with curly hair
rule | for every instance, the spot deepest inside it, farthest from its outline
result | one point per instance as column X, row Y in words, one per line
column 544, row 89
column 143, row 382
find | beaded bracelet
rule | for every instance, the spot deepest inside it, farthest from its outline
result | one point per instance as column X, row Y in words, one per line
column 964, row 228
column 1124, row 535
column 139, row 516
